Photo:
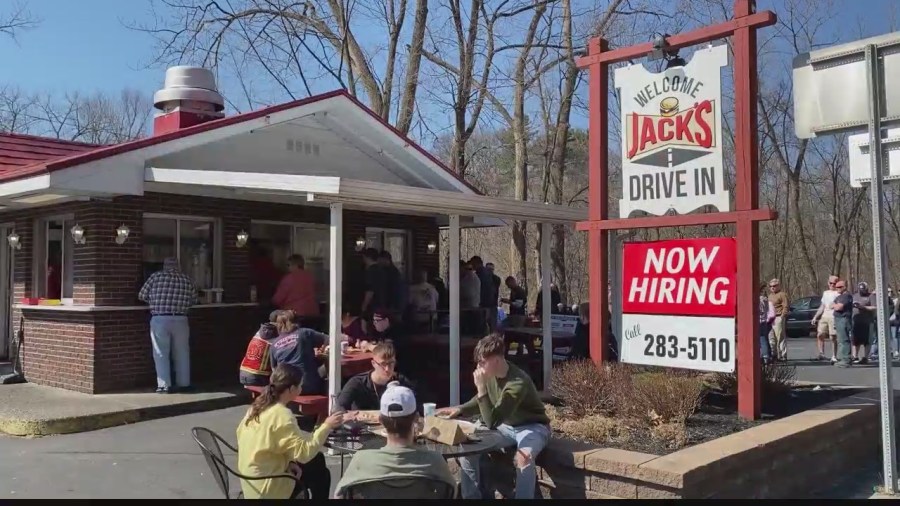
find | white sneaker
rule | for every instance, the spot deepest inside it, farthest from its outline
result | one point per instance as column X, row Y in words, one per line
column 833, row 360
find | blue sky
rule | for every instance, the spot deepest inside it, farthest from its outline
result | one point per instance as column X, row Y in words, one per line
column 84, row 45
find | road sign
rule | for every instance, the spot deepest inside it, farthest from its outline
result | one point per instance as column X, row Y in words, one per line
column 678, row 304
column 843, row 88
column 860, row 159
column 672, row 131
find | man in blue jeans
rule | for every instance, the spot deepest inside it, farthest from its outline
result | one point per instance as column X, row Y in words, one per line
column 507, row 401
column 843, row 313
column 170, row 294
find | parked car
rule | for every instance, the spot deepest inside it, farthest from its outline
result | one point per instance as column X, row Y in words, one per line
column 800, row 315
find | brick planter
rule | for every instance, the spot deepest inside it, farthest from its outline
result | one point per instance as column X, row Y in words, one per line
column 787, row 458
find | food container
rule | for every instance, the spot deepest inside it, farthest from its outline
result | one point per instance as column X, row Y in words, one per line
column 217, row 294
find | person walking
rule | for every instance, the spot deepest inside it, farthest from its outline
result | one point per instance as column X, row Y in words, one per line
column 843, row 314
column 779, row 299
column 823, row 321
column 170, row 294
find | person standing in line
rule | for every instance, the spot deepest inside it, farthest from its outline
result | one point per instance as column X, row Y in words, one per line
column 496, row 280
column 779, row 299
column 170, row 294
column 398, row 295
column 469, row 287
column 517, row 297
column 488, row 294
column 823, row 321
column 766, row 317
column 843, row 314
column 297, row 291
column 864, row 304
column 376, row 290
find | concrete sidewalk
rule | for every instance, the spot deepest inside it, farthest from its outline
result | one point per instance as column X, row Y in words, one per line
column 34, row 410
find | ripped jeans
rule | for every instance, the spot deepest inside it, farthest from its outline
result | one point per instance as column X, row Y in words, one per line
column 529, row 439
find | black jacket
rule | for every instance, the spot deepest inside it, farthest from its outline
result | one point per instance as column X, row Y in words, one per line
column 361, row 393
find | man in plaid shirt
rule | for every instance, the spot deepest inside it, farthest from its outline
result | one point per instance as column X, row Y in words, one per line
column 170, row 294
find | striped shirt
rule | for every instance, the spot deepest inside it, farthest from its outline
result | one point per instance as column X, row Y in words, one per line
column 169, row 292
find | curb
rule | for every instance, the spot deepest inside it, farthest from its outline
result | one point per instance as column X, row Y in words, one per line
column 86, row 423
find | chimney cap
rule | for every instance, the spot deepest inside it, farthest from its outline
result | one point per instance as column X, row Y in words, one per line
column 185, row 83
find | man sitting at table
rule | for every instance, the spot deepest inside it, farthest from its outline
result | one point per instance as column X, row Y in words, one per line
column 363, row 392
column 508, row 402
column 399, row 458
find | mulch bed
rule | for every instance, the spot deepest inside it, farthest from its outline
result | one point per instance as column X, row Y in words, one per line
column 718, row 417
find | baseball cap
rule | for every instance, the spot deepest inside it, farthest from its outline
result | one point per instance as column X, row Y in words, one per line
column 397, row 401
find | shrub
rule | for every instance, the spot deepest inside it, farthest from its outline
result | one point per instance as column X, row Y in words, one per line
column 672, row 435
column 660, row 398
column 586, row 389
column 777, row 380
column 590, row 428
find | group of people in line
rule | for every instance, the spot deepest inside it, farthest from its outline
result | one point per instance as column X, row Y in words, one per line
column 845, row 318
column 271, row 441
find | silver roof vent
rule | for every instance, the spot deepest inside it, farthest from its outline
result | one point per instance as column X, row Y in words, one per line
column 189, row 88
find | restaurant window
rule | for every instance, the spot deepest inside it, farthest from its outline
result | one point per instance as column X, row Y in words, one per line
column 277, row 241
column 191, row 240
column 54, row 258
column 394, row 241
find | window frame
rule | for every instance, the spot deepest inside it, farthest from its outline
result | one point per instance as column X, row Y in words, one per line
column 218, row 232
column 410, row 268
column 293, row 233
column 40, row 255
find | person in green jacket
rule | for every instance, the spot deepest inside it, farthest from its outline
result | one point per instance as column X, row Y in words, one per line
column 507, row 401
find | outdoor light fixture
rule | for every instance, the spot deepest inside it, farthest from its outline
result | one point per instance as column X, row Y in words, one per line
column 242, row 239
column 77, row 234
column 662, row 50
column 432, row 247
column 14, row 241
column 360, row 243
column 122, row 234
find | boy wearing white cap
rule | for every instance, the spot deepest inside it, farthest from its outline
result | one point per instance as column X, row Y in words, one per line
column 399, row 458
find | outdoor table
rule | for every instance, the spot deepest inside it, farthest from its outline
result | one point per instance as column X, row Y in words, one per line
column 352, row 363
column 488, row 440
column 525, row 336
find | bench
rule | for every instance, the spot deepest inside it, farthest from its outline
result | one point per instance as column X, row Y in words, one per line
column 310, row 405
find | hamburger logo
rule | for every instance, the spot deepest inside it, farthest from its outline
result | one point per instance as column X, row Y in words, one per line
column 648, row 134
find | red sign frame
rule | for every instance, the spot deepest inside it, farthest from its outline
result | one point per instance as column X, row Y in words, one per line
column 746, row 216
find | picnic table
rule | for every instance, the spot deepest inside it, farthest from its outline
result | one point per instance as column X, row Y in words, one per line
column 525, row 336
column 352, row 363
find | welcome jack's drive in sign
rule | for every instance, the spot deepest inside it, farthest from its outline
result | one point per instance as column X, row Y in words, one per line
column 678, row 304
column 672, row 131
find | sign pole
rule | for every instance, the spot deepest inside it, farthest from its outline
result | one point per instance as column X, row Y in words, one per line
column 889, row 449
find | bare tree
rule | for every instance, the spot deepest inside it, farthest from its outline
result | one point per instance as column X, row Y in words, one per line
column 301, row 41
column 17, row 19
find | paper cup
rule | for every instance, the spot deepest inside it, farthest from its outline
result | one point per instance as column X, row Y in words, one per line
column 344, row 347
column 429, row 408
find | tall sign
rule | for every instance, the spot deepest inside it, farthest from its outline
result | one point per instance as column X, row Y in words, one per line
column 672, row 165
column 672, row 131
column 678, row 304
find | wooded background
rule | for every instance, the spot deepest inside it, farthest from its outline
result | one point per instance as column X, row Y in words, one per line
column 490, row 86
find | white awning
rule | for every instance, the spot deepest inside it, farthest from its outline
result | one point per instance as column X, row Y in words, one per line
column 362, row 194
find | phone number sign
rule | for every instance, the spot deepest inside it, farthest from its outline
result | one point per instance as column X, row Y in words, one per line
column 678, row 304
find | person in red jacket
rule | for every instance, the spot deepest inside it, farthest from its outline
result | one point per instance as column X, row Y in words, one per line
column 297, row 290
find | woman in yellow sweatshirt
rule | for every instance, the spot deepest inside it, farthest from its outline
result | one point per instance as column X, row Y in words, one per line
column 270, row 442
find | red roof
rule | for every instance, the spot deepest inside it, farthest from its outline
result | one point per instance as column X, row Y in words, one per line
column 17, row 151
column 74, row 153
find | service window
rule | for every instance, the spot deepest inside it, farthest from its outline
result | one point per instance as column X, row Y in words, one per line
column 394, row 241
column 54, row 258
column 192, row 240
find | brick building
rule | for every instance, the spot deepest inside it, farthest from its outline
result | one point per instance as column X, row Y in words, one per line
column 320, row 176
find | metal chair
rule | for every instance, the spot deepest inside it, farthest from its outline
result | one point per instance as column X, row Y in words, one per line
column 401, row 488
column 208, row 441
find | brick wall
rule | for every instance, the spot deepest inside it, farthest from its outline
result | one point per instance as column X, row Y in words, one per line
column 106, row 351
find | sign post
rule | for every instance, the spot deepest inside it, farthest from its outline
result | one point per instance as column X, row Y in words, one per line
column 818, row 77
column 672, row 164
